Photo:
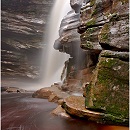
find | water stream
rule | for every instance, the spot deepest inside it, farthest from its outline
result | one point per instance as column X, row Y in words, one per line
column 53, row 60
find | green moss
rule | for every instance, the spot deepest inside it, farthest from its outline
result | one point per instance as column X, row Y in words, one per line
column 91, row 22
column 94, row 12
column 107, row 79
column 115, row 120
column 92, row 2
column 104, row 35
column 109, row 89
column 89, row 45
column 91, row 30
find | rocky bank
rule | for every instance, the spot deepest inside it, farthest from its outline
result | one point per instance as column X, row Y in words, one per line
column 95, row 34
column 104, row 31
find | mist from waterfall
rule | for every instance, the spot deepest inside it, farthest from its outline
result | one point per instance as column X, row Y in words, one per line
column 53, row 60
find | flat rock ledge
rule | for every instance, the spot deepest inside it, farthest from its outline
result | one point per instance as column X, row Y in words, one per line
column 75, row 106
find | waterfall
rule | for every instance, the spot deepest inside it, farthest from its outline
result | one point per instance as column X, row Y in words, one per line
column 53, row 60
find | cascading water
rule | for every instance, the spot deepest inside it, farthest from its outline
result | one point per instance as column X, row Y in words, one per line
column 53, row 61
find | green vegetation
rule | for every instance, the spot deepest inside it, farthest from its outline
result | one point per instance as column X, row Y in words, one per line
column 104, row 35
column 109, row 89
column 91, row 22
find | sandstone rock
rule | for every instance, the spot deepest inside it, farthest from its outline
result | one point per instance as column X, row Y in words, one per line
column 115, row 54
column 104, row 25
column 3, row 89
column 14, row 89
column 53, row 98
column 53, row 93
column 74, row 105
column 23, row 26
column 60, row 102
column 114, row 34
column 109, row 88
column 59, row 111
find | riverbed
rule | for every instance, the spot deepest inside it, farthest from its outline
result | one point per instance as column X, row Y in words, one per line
column 19, row 111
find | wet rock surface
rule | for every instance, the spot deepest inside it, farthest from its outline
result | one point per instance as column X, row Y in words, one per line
column 59, row 111
column 12, row 90
column 24, row 112
column 104, row 30
column 74, row 105
column 53, row 93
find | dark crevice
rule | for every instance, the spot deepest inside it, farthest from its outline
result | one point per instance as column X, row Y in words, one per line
column 96, row 110
column 83, row 28
column 106, row 46
column 122, row 59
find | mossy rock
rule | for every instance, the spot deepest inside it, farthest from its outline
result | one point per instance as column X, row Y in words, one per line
column 89, row 39
column 104, row 36
column 115, row 54
column 109, row 89
column 91, row 22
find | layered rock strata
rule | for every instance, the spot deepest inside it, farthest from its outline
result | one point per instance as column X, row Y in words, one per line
column 74, row 105
column 23, row 27
column 81, row 61
column 104, row 30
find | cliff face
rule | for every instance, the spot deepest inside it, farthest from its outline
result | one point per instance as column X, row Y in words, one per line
column 82, row 62
column 23, row 26
column 104, row 30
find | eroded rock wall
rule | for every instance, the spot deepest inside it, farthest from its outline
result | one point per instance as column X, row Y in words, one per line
column 23, row 27
column 82, row 62
column 104, row 30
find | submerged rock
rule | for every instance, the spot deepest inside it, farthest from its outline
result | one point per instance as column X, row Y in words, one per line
column 15, row 89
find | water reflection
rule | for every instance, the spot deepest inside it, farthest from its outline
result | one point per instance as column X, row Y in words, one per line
column 21, row 112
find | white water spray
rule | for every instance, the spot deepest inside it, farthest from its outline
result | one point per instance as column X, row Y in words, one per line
column 53, row 60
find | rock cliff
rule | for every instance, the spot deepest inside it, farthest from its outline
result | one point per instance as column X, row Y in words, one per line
column 23, row 26
column 82, row 62
column 104, row 30
column 94, row 33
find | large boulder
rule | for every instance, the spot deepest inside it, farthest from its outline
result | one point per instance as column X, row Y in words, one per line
column 104, row 30
column 74, row 105
column 109, row 88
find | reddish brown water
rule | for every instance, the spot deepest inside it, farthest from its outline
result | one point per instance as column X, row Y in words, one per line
column 22, row 112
